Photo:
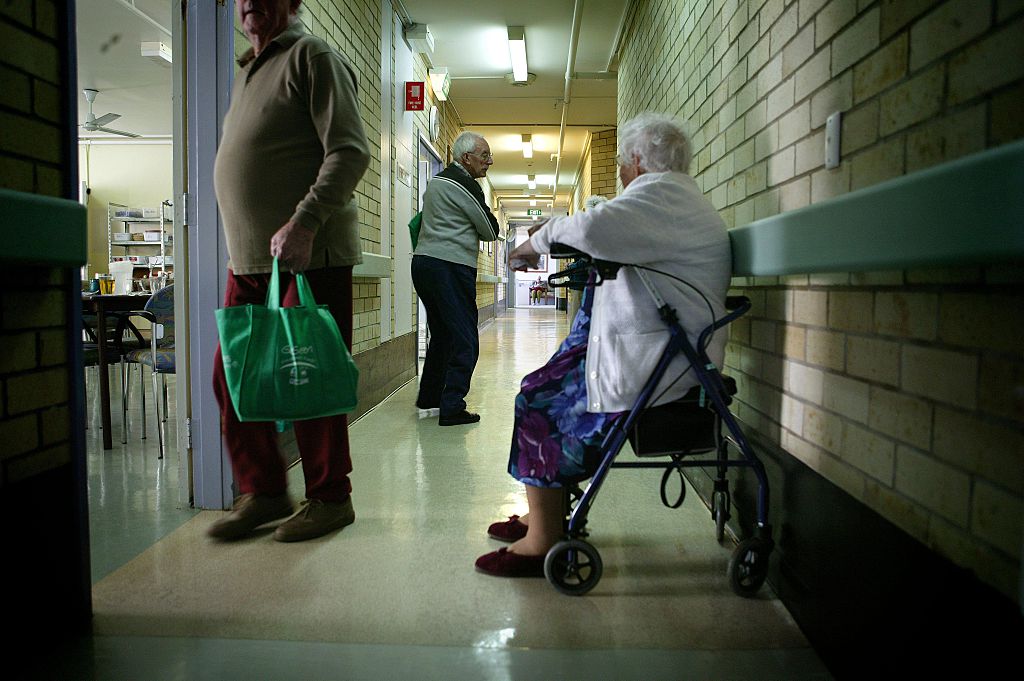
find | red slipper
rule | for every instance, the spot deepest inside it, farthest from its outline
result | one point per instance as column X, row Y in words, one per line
column 502, row 563
column 511, row 530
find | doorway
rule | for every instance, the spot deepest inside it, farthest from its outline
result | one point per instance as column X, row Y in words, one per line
column 430, row 164
column 130, row 59
column 529, row 289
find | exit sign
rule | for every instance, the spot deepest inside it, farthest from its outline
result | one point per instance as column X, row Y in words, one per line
column 533, row 211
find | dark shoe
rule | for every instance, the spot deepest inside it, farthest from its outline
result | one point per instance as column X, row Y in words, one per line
column 502, row 563
column 316, row 519
column 461, row 418
column 249, row 512
column 427, row 405
column 510, row 530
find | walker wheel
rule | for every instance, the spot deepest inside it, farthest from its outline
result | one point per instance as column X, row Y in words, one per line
column 573, row 567
column 748, row 567
column 720, row 512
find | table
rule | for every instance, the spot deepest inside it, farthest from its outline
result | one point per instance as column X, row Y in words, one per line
column 100, row 305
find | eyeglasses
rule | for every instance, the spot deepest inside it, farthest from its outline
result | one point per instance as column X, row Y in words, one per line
column 486, row 155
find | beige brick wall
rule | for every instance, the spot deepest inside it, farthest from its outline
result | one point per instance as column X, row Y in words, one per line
column 598, row 172
column 582, row 185
column 604, row 171
column 31, row 132
column 902, row 388
column 35, row 419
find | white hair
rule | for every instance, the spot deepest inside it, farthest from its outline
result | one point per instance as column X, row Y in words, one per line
column 466, row 144
column 593, row 200
column 659, row 142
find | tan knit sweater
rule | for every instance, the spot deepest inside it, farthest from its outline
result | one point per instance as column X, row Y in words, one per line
column 293, row 147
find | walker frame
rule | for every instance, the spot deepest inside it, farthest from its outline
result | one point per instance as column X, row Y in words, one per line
column 574, row 566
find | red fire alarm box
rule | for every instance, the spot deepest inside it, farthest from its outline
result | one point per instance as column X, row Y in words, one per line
column 414, row 96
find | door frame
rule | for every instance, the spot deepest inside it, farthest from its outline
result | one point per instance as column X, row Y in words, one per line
column 209, row 37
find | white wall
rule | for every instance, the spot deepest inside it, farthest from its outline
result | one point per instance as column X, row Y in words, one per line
column 133, row 174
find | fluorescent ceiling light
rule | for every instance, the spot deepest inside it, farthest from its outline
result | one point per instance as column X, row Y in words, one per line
column 517, row 52
column 533, row 203
column 531, row 181
column 527, row 146
column 440, row 82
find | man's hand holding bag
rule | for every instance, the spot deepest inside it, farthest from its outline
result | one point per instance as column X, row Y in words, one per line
column 286, row 363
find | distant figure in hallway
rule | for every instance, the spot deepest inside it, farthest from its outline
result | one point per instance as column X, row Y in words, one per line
column 455, row 219
column 538, row 289
column 292, row 153
column 564, row 409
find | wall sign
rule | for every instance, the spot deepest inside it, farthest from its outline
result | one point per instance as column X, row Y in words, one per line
column 414, row 95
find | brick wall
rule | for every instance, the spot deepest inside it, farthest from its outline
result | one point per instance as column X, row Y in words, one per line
column 35, row 423
column 582, row 183
column 604, row 171
column 598, row 173
column 35, row 420
column 31, row 135
column 45, row 571
column 902, row 388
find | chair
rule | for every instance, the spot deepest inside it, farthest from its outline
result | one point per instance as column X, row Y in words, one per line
column 117, row 340
column 159, row 356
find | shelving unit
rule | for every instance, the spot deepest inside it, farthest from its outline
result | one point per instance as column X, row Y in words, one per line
column 158, row 254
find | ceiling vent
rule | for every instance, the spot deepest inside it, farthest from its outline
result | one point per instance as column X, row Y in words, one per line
column 530, row 77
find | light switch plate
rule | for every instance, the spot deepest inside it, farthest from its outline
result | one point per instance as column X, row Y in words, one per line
column 833, row 124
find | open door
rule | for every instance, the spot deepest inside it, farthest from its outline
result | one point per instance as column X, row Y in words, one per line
column 430, row 164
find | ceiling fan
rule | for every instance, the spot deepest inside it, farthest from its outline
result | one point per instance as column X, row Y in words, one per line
column 93, row 124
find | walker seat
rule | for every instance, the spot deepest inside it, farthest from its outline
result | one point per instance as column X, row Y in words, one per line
column 686, row 426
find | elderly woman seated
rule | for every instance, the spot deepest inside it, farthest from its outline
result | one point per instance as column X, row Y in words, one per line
column 564, row 409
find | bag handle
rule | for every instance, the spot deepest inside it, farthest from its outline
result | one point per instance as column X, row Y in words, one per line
column 306, row 298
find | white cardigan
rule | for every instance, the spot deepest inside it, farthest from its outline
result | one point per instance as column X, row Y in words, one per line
column 662, row 221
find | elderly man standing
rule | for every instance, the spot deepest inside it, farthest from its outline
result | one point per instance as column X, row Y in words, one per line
column 292, row 152
column 455, row 219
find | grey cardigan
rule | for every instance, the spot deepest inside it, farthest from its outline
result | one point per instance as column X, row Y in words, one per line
column 454, row 221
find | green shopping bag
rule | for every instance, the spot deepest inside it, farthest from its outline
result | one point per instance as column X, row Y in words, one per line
column 414, row 228
column 286, row 363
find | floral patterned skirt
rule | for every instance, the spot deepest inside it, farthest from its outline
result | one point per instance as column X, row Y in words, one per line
column 555, row 440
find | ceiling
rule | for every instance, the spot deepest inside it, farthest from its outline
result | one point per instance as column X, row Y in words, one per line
column 110, row 34
column 470, row 40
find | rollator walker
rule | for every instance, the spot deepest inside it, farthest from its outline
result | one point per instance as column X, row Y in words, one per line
column 692, row 425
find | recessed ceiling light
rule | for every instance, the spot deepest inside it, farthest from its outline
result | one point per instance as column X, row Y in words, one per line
column 527, row 146
column 517, row 52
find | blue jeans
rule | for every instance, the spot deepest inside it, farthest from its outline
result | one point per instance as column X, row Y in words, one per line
column 448, row 292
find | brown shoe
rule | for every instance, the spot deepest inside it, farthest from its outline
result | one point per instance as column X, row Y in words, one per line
column 249, row 512
column 316, row 519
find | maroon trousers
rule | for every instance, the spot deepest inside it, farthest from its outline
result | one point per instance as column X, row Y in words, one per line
column 323, row 443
